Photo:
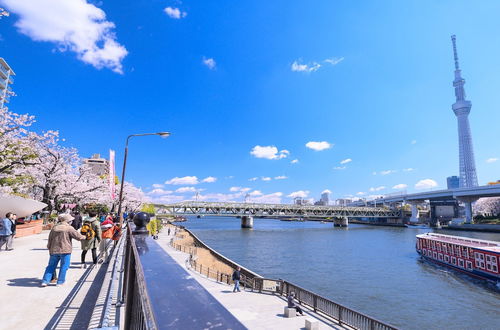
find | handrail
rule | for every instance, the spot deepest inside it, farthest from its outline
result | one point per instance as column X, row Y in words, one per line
column 138, row 309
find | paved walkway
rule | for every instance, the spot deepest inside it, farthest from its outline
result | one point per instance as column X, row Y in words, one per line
column 26, row 305
column 254, row 310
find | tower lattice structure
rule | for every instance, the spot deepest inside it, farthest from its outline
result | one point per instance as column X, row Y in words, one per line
column 461, row 108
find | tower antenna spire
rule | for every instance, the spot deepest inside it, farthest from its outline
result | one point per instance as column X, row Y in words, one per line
column 454, row 41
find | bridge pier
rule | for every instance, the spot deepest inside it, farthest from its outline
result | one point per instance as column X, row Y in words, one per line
column 246, row 221
column 341, row 222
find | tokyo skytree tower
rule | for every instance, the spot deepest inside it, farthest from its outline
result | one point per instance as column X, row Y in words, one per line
column 461, row 108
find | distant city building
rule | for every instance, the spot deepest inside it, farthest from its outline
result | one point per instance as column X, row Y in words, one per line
column 343, row 201
column 301, row 201
column 324, row 200
column 6, row 79
column 453, row 182
column 99, row 166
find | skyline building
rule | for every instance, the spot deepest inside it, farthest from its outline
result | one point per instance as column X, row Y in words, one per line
column 6, row 79
column 461, row 108
column 453, row 182
column 98, row 165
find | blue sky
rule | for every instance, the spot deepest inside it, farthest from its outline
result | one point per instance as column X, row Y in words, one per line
column 373, row 79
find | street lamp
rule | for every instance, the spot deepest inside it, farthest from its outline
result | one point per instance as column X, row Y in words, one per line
column 163, row 135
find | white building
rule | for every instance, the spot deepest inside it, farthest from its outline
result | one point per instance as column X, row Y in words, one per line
column 98, row 165
column 6, row 79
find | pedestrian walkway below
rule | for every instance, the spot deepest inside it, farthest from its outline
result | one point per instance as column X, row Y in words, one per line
column 26, row 305
column 254, row 310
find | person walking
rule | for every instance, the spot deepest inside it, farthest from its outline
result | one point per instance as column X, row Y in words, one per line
column 10, row 238
column 236, row 278
column 60, row 249
column 77, row 221
column 91, row 229
column 292, row 304
column 107, row 229
column 5, row 230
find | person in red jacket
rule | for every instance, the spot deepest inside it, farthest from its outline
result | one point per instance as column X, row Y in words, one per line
column 107, row 228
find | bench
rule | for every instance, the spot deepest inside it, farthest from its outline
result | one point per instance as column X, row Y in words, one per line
column 312, row 324
column 290, row 312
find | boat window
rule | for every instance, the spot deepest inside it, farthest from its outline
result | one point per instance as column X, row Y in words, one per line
column 440, row 256
column 434, row 255
column 446, row 258
column 469, row 265
column 454, row 260
column 461, row 262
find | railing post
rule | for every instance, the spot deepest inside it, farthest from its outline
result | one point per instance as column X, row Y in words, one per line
column 315, row 302
column 340, row 315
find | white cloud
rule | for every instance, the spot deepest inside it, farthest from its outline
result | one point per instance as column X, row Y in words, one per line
column 280, row 177
column 183, row 181
column 318, row 146
column 168, row 199
column 413, row 142
column 183, row 190
column 255, row 193
column 387, row 172
column 409, row 169
column 236, row 189
column 274, row 198
column 298, row 67
column 175, row 13
column 300, row 193
column 491, row 160
column 377, row 188
column 209, row 63
column 269, row 152
column 158, row 192
column 253, row 179
column 360, row 193
column 334, row 60
column 426, row 184
column 374, row 173
column 295, row 161
column 326, row 191
column 157, row 185
column 339, row 167
column 76, row 26
column 400, row 186
column 266, row 178
column 209, row 179
column 345, row 161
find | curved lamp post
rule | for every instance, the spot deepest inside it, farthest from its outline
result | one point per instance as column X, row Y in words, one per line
column 162, row 134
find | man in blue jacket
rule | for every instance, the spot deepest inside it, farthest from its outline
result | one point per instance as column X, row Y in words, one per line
column 5, row 229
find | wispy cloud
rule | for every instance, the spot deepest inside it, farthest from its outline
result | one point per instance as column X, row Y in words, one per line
column 209, row 63
column 253, row 179
column 377, row 188
column 340, row 167
column 266, row 178
column 491, row 160
column 409, row 169
column 186, row 180
column 345, row 161
column 295, row 161
column 413, row 142
column 400, row 186
column 183, row 190
column 174, row 13
column 269, row 152
column 77, row 26
column 209, row 179
column 300, row 193
column 360, row 193
column 334, row 60
column 318, row 145
column 426, row 184
column 280, row 177
column 387, row 172
column 299, row 67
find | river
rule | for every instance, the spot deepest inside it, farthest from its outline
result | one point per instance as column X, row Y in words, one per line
column 372, row 269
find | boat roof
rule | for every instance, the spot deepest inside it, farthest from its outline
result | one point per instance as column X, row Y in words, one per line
column 465, row 241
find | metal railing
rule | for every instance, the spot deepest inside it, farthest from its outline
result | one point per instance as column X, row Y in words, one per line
column 138, row 309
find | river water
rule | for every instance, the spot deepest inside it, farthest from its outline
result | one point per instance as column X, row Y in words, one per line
column 372, row 269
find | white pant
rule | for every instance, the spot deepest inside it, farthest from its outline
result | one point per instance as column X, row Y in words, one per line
column 103, row 247
column 10, row 241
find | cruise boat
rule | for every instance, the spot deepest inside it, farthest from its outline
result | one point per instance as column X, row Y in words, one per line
column 478, row 258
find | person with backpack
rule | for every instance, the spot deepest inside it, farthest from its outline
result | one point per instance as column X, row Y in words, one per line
column 5, row 229
column 91, row 229
column 13, row 225
column 60, row 249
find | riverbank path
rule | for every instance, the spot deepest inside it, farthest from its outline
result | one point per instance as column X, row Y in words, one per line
column 26, row 305
column 254, row 310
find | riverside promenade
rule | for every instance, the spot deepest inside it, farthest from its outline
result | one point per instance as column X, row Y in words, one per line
column 254, row 310
column 26, row 305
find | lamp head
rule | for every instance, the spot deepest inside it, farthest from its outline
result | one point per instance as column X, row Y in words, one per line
column 163, row 134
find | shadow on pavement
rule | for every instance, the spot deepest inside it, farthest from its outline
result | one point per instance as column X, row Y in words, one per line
column 39, row 249
column 27, row 282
